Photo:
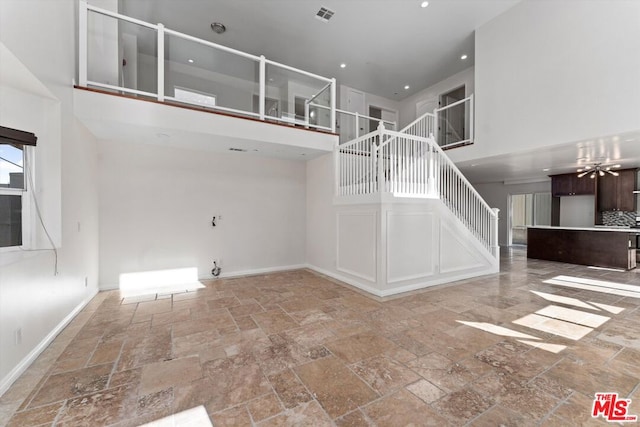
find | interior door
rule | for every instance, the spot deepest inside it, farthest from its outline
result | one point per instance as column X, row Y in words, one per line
column 451, row 122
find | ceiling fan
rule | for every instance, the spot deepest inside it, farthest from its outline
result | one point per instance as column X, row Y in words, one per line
column 597, row 169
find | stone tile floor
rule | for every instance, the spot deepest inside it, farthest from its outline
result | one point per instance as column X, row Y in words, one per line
column 296, row 349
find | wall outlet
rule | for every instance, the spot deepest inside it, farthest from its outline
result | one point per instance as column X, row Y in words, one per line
column 17, row 336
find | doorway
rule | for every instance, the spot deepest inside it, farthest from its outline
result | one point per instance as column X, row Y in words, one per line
column 527, row 210
column 355, row 104
column 452, row 121
column 381, row 114
column 271, row 106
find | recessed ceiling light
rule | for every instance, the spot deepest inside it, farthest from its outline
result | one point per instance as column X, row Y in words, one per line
column 546, row 170
column 343, row 65
column 406, row 87
column 190, row 61
column 424, row 4
column 463, row 57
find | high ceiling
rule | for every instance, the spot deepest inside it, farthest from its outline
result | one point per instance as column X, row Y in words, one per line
column 385, row 44
column 530, row 166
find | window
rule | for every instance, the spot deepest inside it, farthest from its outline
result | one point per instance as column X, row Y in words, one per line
column 14, row 146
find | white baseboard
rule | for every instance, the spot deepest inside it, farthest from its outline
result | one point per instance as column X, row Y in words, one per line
column 413, row 287
column 346, row 280
column 256, row 271
column 21, row 367
column 441, row 280
column 252, row 272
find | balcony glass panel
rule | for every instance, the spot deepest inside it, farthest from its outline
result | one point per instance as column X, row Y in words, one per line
column 122, row 54
column 286, row 94
column 208, row 77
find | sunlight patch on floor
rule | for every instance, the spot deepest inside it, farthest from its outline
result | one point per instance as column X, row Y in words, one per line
column 553, row 326
column 498, row 330
column 607, row 307
column 159, row 282
column 194, row 417
column 574, row 316
column 611, row 288
column 564, row 300
column 553, row 348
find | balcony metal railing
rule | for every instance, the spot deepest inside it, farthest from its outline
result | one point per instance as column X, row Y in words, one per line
column 127, row 55
column 454, row 123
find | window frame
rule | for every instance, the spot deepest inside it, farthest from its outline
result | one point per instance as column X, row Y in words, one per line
column 27, row 142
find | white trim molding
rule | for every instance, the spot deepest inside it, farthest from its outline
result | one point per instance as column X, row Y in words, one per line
column 24, row 364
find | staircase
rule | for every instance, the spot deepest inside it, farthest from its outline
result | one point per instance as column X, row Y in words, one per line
column 410, row 164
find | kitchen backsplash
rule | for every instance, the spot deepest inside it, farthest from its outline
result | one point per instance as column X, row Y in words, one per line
column 618, row 218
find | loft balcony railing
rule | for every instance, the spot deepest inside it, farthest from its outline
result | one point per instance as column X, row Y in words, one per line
column 449, row 126
column 128, row 56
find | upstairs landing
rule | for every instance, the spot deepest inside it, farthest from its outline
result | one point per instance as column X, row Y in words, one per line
column 111, row 116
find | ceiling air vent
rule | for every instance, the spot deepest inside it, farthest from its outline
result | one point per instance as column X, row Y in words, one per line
column 238, row 149
column 324, row 14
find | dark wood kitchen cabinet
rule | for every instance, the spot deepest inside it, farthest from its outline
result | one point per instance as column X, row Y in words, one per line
column 615, row 193
column 570, row 185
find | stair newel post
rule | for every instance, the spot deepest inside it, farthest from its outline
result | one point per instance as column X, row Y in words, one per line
column 374, row 168
column 380, row 157
column 337, row 172
column 495, row 248
column 357, row 125
column 433, row 167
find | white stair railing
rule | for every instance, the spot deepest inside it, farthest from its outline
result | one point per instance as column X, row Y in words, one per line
column 422, row 126
column 415, row 166
column 356, row 171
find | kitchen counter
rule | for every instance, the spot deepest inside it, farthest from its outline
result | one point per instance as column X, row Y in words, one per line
column 612, row 247
column 614, row 229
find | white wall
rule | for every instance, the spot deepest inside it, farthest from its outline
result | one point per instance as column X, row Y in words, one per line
column 156, row 205
column 31, row 296
column 496, row 194
column 408, row 106
column 321, row 214
column 551, row 72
